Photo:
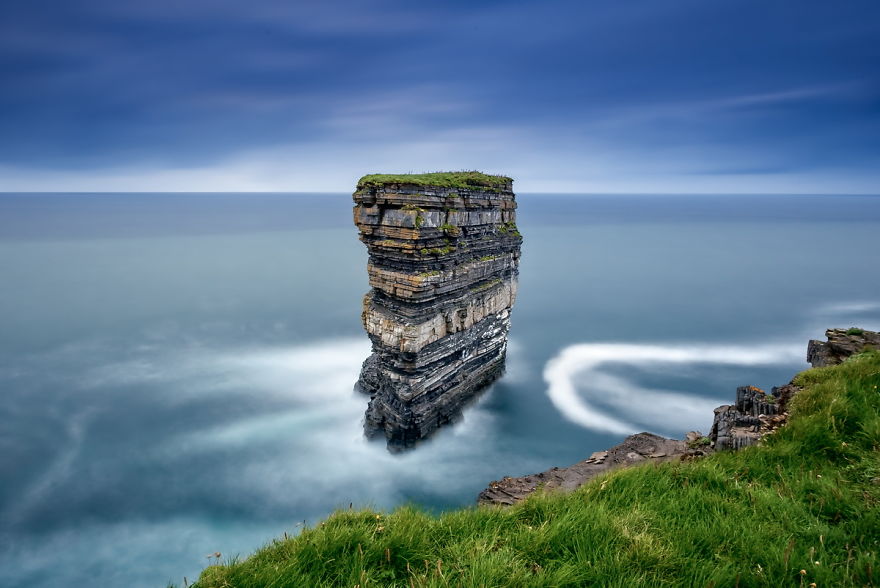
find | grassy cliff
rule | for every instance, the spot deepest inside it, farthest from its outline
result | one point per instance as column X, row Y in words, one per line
column 801, row 509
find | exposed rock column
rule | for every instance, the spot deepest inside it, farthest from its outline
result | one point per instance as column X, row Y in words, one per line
column 739, row 425
column 443, row 264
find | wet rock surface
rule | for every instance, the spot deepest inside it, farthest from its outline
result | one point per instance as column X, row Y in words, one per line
column 443, row 266
column 754, row 414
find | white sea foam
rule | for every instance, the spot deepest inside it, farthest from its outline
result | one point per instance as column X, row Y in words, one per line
column 312, row 373
column 641, row 406
column 312, row 439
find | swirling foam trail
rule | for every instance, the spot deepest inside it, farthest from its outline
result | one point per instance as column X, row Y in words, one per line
column 669, row 407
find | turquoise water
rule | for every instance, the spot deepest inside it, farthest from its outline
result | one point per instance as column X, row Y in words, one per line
column 177, row 369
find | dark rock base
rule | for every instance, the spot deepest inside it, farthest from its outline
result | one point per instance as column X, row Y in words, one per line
column 405, row 424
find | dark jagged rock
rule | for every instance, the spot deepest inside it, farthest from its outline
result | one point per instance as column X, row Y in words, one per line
column 443, row 263
column 841, row 344
column 783, row 395
column 740, row 425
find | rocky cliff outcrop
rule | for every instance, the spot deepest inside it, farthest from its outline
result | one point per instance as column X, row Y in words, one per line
column 841, row 344
column 754, row 414
column 443, row 263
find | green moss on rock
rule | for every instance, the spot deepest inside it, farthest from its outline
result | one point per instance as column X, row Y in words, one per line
column 467, row 180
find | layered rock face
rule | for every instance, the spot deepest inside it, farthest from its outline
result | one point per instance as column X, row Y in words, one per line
column 443, row 262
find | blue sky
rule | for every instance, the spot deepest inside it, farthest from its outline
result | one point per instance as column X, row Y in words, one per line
column 583, row 96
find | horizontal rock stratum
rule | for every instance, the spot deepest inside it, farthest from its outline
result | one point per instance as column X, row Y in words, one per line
column 444, row 253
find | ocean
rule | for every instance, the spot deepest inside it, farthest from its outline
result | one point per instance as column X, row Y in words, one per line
column 177, row 369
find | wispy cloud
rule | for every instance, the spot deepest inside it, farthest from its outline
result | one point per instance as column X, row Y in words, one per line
column 566, row 96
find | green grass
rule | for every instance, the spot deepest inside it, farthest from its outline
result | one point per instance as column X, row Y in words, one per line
column 509, row 229
column 486, row 285
column 439, row 251
column 800, row 508
column 699, row 443
column 855, row 331
column 467, row 180
column 451, row 230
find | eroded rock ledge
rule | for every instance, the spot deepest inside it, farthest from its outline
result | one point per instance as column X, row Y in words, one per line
column 635, row 449
column 443, row 263
column 841, row 344
column 754, row 414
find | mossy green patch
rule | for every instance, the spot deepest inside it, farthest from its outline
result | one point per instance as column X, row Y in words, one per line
column 486, row 285
column 438, row 251
column 451, row 230
column 509, row 229
column 466, row 180
column 699, row 442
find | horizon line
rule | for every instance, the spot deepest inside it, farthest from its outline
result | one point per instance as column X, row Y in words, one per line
column 84, row 192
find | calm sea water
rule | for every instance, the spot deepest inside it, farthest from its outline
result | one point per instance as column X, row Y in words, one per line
column 177, row 369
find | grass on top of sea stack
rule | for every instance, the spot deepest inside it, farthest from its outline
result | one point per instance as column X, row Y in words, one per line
column 459, row 179
column 801, row 509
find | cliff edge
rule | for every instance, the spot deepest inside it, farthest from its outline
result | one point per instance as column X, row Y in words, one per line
column 754, row 414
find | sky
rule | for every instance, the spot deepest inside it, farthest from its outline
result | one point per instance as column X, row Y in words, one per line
column 661, row 96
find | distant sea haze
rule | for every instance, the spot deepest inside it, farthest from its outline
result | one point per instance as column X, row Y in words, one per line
column 88, row 216
column 178, row 368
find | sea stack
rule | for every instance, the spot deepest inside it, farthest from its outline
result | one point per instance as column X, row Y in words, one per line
column 444, row 253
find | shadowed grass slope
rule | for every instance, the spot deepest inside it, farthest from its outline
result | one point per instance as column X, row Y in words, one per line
column 801, row 508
